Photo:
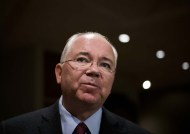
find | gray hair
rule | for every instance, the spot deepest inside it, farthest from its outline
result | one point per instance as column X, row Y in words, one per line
column 75, row 36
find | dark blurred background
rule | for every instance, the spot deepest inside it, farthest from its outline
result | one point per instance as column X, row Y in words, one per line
column 33, row 34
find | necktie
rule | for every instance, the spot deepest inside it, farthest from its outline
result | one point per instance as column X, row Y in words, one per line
column 81, row 128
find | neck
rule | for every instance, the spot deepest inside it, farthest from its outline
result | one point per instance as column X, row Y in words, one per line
column 80, row 111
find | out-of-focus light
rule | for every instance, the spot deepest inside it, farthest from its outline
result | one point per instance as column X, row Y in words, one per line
column 124, row 38
column 160, row 54
column 185, row 65
column 146, row 84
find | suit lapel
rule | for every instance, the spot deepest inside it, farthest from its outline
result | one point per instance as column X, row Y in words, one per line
column 107, row 124
column 50, row 122
column 110, row 125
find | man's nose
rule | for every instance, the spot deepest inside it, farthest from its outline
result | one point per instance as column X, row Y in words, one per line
column 93, row 70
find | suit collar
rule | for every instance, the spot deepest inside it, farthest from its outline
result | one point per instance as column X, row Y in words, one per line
column 50, row 122
column 110, row 124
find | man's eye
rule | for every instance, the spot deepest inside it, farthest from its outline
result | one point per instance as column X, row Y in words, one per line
column 105, row 65
column 82, row 59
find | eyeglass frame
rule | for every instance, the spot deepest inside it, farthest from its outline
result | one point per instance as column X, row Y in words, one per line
column 91, row 63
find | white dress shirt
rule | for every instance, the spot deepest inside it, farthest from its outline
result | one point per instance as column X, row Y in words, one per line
column 69, row 122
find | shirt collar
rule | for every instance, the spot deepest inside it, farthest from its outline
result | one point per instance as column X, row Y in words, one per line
column 69, row 122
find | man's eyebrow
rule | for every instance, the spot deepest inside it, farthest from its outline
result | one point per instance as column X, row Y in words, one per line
column 83, row 53
column 108, row 59
column 103, row 58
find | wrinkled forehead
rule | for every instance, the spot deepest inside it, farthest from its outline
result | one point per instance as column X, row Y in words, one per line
column 94, row 45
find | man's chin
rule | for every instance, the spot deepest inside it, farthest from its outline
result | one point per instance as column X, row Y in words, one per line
column 90, row 99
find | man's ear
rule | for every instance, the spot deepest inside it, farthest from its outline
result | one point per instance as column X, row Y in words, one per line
column 58, row 71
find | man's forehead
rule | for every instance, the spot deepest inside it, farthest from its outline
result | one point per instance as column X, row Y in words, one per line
column 89, row 37
column 91, row 43
column 90, row 40
column 91, row 46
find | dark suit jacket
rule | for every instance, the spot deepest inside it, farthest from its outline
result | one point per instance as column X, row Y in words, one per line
column 47, row 121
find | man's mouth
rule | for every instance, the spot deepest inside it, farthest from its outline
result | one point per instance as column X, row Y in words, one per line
column 91, row 85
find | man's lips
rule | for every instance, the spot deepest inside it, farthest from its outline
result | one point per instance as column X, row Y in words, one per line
column 91, row 85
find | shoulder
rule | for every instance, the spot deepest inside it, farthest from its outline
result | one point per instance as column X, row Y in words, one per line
column 121, row 124
column 34, row 115
column 29, row 120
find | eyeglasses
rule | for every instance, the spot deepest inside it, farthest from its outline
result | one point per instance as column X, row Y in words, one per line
column 82, row 63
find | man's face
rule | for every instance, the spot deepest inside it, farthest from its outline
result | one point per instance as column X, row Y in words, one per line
column 89, row 86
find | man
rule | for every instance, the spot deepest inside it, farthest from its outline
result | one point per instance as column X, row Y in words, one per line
column 85, row 73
